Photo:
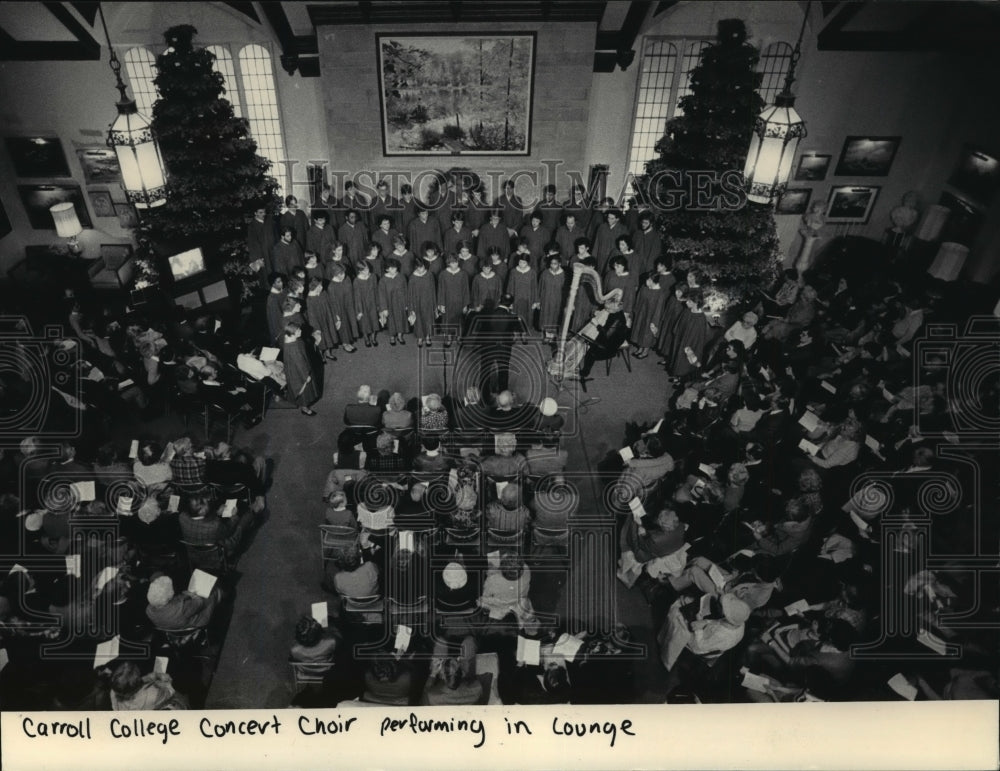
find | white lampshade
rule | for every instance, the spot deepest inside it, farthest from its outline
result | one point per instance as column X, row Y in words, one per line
column 933, row 222
column 949, row 261
column 144, row 176
column 67, row 223
column 776, row 135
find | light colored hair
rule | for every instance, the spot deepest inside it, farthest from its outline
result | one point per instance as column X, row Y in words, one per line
column 396, row 402
column 383, row 442
column 160, row 592
column 364, row 393
column 506, row 443
column 433, row 402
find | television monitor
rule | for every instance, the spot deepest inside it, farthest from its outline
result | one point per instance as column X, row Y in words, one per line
column 186, row 264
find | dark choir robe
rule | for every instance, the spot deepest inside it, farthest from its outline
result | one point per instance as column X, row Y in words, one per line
column 513, row 211
column 419, row 232
column 566, row 239
column 405, row 260
column 605, row 243
column 407, row 213
column 287, row 256
column 524, row 287
column 692, row 331
column 298, row 374
column 343, row 262
column 492, row 236
column 672, row 310
column 376, row 266
column 647, row 245
column 421, row 301
column 384, row 239
column 442, row 207
column 340, row 297
column 453, row 295
column 392, row 299
column 452, row 238
column 485, row 288
column 327, row 206
column 551, row 289
column 469, row 267
column 360, row 204
column 366, row 304
column 551, row 215
column 435, row 266
column 338, row 213
column 320, row 241
column 582, row 211
column 501, row 269
column 475, row 215
column 648, row 310
column 627, row 283
column 322, row 319
column 275, row 322
column 260, row 243
column 353, row 237
column 538, row 238
column 319, row 271
column 389, row 206
column 298, row 222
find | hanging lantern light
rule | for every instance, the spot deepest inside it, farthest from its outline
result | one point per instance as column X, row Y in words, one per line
column 144, row 176
column 776, row 135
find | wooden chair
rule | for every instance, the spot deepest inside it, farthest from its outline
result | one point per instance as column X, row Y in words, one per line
column 364, row 610
column 307, row 673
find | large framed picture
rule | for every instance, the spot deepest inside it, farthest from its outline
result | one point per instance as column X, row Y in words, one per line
column 100, row 165
column 456, row 94
column 127, row 218
column 812, row 167
column 794, row 200
column 977, row 174
column 867, row 156
column 37, row 156
column 851, row 203
column 38, row 199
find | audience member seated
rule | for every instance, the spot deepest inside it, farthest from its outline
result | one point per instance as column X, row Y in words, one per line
column 433, row 415
column 149, row 467
column 365, row 411
column 505, row 593
column 187, row 467
column 314, row 645
column 452, row 678
column 544, row 456
column 506, row 463
column 174, row 612
column 388, row 681
column 355, row 578
column 132, row 691
column 430, row 463
column 202, row 523
column 386, row 459
column 508, row 513
column 396, row 417
column 338, row 513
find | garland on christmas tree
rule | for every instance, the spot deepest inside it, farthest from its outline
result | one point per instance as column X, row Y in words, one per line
column 735, row 247
column 216, row 178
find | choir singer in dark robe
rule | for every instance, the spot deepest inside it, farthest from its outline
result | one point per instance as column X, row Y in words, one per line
column 298, row 372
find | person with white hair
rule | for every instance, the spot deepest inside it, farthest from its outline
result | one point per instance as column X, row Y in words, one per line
column 433, row 415
column 171, row 611
column 365, row 411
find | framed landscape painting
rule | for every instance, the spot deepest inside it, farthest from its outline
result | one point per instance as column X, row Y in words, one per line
column 37, row 156
column 867, row 156
column 794, row 200
column 38, row 199
column 851, row 203
column 812, row 167
column 100, row 164
column 456, row 94
column 977, row 174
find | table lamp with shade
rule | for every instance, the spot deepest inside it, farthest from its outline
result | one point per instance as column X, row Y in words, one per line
column 67, row 225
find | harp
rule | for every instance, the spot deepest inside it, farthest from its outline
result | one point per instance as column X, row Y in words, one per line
column 580, row 272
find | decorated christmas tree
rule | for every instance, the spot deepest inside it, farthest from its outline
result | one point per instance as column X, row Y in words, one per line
column 734, row 242
column 216, row 179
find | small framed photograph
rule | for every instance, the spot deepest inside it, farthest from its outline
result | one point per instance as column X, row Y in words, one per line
column 812, row 167
column 977, row 174
column 851, row 203
column 37, row 156
column 795, row 200
column 127, row 218
column 100, row 165
column 867, row 156
column 38, row 199
column 100, row 201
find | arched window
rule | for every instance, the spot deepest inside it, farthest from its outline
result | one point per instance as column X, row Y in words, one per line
column 692, row 55
column 224, row 65
column 659, row 60
column 140, row 69
column 773, row 65
column 261, row 101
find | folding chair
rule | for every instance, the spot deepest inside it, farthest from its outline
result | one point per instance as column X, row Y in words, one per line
column 238, row 491
column 215, row 409
column 499, row 539
column 336, row 539
column 210, row 557
column 413, row 614
column 365, row 610
column 550, row 538
column 307, row 674
column 461, row 537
